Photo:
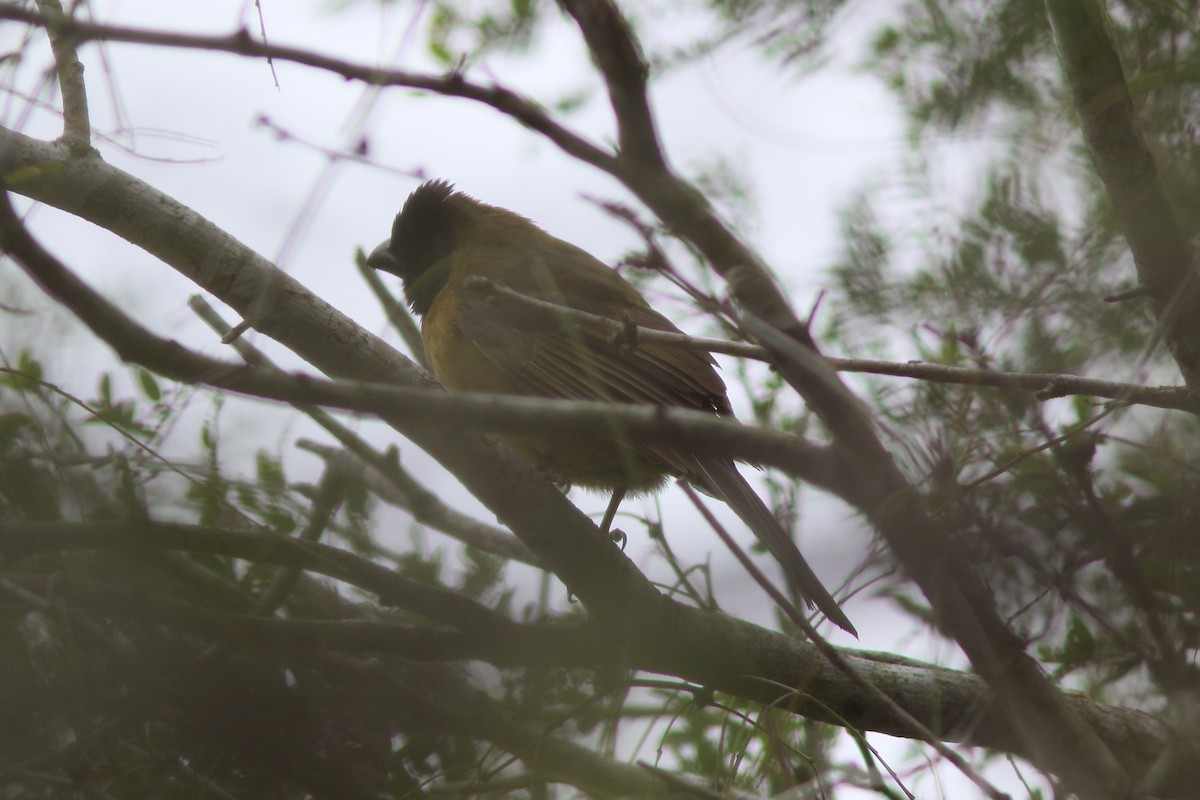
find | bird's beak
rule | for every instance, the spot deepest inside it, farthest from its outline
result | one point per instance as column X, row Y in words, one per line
column 381, row 258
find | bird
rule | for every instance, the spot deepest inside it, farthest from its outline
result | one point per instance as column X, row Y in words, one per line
column 442, row 240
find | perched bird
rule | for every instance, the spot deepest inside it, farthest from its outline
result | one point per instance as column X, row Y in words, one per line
column 442, row 239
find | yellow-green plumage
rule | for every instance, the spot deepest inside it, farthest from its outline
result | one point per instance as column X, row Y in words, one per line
column 442, row 237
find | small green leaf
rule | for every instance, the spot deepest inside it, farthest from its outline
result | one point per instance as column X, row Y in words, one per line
column 270, row 473
column 30, row 365
column 149, row 385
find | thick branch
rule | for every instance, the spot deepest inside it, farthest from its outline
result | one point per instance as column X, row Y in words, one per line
column 619, row 60
column 1165, row 263
column 708, row 649
column 566, row 541
column 1038, row 712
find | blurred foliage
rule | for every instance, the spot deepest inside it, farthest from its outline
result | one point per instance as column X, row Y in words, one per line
column 147, row 709
column 1081, row 514
column 789, row 31
column 144, row 710
column 465, row 30
column 1074, row 507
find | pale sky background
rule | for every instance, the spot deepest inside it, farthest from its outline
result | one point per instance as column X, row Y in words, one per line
column 803, row 143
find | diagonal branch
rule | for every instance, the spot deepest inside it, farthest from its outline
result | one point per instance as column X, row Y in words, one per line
column 1165, row 262
column 565, row 540
column 421, row 407
column 525, row 111
column 619, row 59
column 1038, row 712
column 710, row 650
column 383, row 474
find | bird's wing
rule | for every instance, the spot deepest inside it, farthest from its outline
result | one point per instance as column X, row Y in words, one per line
column 576, row 360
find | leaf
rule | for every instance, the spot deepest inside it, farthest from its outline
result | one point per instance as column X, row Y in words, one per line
column 270, row 473
column 149, row 385
column 30, row 366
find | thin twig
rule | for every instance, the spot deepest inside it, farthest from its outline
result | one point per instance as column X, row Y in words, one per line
column 917, row 730
column 396, row 313
column 524, row 110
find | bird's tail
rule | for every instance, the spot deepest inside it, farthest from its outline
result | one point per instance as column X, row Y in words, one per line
column 723, row 479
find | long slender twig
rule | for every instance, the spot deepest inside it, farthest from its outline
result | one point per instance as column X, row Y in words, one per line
column 523, row 110
column 396, row 313
column 917, row 730
column 434, row 602
column 325, row 504
column 384, row 476
column 1047, row 385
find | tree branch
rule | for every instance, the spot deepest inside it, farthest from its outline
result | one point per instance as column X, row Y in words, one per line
column 1165, row 262
column 708, row 649
column 77, row 127
column 394, row 485
column 619, row 59
column 565, row 540
column 18, row 539
column 1047, row 385
column 1038, row 712
column 525, row 111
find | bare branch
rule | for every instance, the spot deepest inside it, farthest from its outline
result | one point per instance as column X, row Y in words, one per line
column 77, row 126
column 525, row 111
column 617, row 56
column 1048, row 385
column 1037, row 711
column 711, row 650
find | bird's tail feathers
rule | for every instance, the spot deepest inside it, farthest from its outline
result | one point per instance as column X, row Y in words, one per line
column 723, row 480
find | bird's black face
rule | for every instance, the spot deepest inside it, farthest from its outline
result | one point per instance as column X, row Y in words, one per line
column 423, row 236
